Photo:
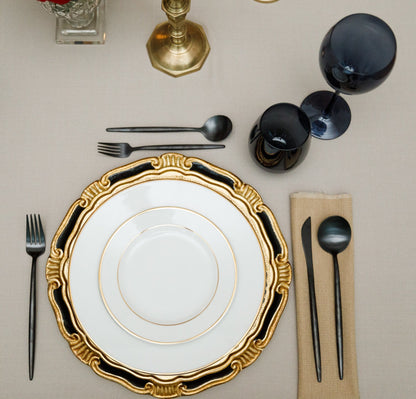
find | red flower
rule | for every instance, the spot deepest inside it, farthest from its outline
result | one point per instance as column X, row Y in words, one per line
column 56, row 1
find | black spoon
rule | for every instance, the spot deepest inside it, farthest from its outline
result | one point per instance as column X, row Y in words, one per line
column 334, row 235
column 216, row 128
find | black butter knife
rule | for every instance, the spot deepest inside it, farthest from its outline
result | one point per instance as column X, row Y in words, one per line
column 307, row 249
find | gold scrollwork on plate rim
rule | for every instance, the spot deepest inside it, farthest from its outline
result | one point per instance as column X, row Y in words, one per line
column 172, row 166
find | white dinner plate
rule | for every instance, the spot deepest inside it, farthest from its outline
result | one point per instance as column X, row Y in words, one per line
column 168, row 275
column 116, row 340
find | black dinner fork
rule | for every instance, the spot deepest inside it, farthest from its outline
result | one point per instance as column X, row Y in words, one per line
column 35, row 246
column 123, row 150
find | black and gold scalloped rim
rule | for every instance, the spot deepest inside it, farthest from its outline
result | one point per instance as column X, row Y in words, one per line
column 277, row 268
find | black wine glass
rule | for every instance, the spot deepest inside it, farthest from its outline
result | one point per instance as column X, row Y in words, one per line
column 356, row 56
column 280, row 138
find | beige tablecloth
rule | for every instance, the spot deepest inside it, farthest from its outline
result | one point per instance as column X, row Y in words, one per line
column 55, row 102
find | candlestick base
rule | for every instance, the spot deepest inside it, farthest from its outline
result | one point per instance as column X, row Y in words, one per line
column 178, row 59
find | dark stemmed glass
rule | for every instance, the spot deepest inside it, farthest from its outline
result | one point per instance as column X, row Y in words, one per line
column 356, row 56
column 280, row 138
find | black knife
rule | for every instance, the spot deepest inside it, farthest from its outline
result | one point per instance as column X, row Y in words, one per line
column 307, row 249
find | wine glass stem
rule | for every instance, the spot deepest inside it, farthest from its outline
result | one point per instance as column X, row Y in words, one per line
column 328, row 110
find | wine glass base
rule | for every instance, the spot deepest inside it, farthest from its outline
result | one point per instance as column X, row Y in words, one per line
column 326, row 127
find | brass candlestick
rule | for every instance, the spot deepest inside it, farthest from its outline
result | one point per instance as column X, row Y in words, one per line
column 178, row 46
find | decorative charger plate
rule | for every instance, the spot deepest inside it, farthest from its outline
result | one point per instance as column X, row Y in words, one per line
column 168, row 276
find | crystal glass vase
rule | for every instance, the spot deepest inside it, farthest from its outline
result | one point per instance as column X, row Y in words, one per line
column 78, row 21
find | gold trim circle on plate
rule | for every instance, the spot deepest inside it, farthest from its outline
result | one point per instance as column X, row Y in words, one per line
column 245, row 200
column 142, row 304
column 218, row 294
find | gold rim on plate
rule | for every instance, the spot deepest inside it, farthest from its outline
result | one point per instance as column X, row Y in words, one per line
column 215, row 322
column 172, row 166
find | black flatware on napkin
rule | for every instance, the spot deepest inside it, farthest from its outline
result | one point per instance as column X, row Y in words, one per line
column 318, row 207
column 307, row 248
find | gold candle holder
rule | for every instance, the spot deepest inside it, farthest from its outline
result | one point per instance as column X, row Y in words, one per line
column 178, row 46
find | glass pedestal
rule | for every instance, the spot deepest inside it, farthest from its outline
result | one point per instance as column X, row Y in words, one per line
column 93, row 33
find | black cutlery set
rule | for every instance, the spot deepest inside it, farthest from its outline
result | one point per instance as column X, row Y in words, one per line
column 334, row 235
column 216, row 128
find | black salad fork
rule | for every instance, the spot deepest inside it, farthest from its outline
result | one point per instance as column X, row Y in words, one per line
column 35, row 246
column 123, row 150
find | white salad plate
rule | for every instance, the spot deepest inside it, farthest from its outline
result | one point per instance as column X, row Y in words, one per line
column 168, row 275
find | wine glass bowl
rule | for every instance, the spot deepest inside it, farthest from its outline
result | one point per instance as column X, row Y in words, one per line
column 280, row 138
column 356, row 56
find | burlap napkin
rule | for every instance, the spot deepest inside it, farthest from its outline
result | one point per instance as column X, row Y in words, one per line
column 319, row 207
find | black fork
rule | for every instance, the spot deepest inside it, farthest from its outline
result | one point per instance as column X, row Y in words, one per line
column 123, row 150
column 35, row 246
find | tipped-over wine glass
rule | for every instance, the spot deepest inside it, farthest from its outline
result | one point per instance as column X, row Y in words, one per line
column 356, row 56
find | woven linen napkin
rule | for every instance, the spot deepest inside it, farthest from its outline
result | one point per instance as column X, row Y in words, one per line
column 319, row 207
